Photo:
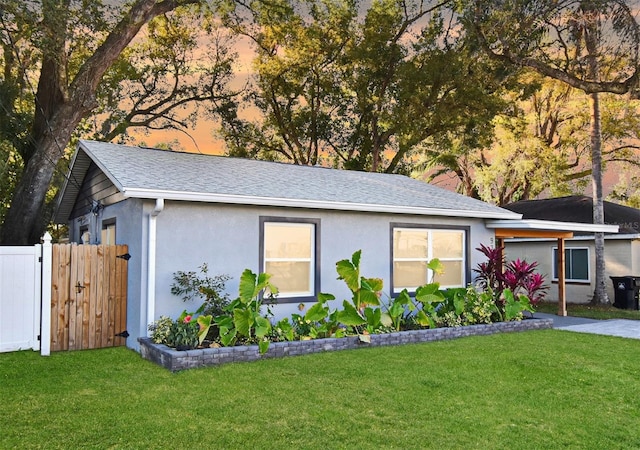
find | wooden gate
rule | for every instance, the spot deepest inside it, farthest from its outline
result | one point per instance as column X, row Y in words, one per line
column 88, row 296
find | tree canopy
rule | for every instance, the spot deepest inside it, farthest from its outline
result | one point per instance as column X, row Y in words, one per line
column 68, row 64
column 360, row 88
column 591, row 45
column 511, row 98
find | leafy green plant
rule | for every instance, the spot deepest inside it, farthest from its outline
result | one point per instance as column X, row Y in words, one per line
column 243, row 318
column 319, row 321
column 396, row 310
column 211, row 289
column 366, row 291
column 508, row 282
column 479, row 307
column 183, row 334
column 184, row 331
column 365, row 300
column 515, row 305
column 283, row 330
column 160, row 329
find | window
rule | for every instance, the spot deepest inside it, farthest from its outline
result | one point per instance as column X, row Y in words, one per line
column 414, row 247
column 108, row 235
column 290, row 253
column 576, row 264
column 84, row 237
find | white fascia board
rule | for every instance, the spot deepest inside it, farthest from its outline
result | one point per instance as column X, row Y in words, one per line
column 549, row 225
column 607, row 237
column 310, row 204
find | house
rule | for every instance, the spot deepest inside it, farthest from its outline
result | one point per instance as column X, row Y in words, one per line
column 178, row 210
column 622, row 249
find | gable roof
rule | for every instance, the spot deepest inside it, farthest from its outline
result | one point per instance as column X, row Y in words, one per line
column 141, row 172
column 578, row 208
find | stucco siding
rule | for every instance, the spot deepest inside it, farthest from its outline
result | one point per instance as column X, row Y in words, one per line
column 226, row 237
column 621, row 256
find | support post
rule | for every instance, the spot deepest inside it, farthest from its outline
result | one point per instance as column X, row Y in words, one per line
column 45, row 303
column 562, row 303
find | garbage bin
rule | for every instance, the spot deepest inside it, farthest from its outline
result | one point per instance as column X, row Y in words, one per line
column 626, row 292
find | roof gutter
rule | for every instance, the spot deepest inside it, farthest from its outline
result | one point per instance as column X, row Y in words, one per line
column 317, row 204
column 151, row 263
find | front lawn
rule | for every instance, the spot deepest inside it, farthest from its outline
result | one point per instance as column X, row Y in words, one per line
column 538, row 389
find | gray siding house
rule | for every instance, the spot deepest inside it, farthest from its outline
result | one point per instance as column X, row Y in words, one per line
column 622, row 247
column 178, row 210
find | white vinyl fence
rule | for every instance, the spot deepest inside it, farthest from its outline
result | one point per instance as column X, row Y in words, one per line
column 23, row 273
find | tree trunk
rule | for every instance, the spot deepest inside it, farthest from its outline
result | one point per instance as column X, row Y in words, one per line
column 600, row 293
column 58, row 115
column 590, row 34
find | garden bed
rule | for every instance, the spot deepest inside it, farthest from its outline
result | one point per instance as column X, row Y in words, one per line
column 174, row 360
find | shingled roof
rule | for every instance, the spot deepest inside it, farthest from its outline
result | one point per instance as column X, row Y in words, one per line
column 151, row 173
column 578, row 208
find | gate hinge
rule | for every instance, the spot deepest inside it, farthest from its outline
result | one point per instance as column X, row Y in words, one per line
column 39, row 258
column 39, row 337
column 124, row 334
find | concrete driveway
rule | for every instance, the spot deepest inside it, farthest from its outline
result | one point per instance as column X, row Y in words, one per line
column 612, row 327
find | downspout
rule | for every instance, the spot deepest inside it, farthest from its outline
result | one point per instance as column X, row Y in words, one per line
column 151, row 261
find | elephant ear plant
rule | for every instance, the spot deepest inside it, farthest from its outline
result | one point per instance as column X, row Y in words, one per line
column 366, row 293
column 243, row 318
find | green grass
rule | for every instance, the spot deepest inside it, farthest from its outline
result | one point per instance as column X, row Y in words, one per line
column 601, row 312
column 541, row 389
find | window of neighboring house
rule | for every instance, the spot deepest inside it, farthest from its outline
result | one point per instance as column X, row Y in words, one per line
column 290, row 253
column 576, row 264
column 84, row 237
column 414, row 247
column 108, row 234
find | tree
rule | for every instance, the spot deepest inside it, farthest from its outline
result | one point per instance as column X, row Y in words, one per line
column 184, row 60
column 540, row 146
column 72, row 44
column 590, row 45
column 361, row 91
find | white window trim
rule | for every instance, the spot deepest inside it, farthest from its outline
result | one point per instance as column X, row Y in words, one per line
column 571, row 280
column 311, row 260
column 430, row 256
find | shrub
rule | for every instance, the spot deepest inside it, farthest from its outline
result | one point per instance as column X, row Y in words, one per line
column 518, row 276
column 160, row 330
column 211, row 289
column 184, row 333
column 496, row 297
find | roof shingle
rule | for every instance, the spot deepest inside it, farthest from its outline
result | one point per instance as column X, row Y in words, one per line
column 153, row 173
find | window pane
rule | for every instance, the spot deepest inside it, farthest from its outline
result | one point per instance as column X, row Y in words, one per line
column 290, row 277
column 447, row 244
column 287, row 241
column 409, row 274
column 410, row 243
column 579, row 264
column 108, row 235
column 452, row 275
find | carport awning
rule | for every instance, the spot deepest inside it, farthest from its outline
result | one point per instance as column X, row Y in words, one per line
column 532, row 228
column 547, row 229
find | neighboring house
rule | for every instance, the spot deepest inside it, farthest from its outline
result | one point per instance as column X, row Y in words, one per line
column 179, row 210
column 622, row 249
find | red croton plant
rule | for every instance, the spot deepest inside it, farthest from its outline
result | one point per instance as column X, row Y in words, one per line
column 519, row 276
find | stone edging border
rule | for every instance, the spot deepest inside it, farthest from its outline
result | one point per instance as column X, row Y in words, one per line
column 174, row 360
